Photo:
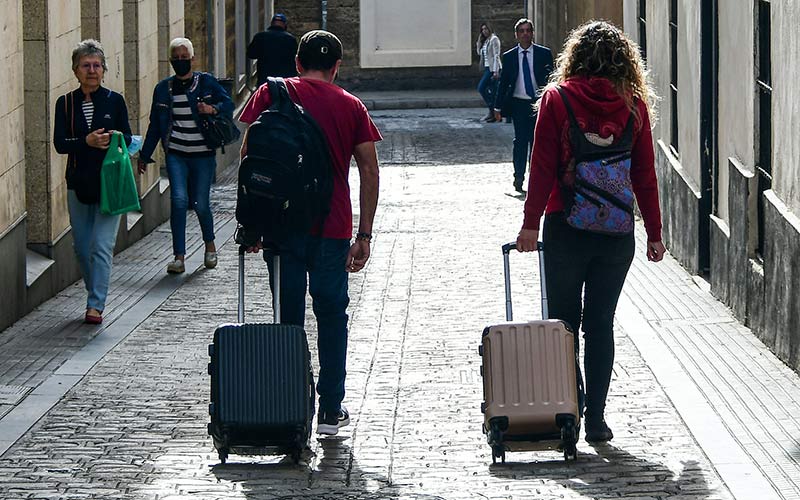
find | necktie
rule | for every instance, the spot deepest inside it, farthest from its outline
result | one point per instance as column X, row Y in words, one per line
column 526, row 75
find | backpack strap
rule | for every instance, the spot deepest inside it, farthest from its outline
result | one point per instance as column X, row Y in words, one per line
column 572, row 120
column 278, row 92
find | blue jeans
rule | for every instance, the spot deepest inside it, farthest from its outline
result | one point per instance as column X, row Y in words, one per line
column 524, row 119
column 487, row 88
column 190, row 185
column 321, row 261
column 94, row 236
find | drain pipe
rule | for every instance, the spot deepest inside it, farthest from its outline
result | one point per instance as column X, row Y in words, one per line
column 324, row 14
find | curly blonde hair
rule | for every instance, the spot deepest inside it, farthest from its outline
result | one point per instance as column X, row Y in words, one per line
column 600, row 49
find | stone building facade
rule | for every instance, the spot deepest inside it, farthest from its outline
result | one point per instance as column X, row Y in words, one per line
column 35, row 233
column 413, row 44
column 727, row 151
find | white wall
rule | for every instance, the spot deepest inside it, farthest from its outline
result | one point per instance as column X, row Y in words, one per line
column 737, row 95
column 786, row 102
column 415, row 33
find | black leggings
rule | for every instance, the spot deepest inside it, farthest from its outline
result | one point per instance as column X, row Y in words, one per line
column 595, row 264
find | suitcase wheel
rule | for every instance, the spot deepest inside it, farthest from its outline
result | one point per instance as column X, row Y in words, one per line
column 569, row 440
column 495, row 439
column 498, row 451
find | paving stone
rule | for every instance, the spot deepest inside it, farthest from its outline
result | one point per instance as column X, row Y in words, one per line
column 135, row 427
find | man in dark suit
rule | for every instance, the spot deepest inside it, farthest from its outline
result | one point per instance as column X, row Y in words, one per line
column 526, row 69
column 274, row 49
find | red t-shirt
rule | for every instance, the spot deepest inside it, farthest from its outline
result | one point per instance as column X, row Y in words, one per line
column 344, row 121
column 599, row 109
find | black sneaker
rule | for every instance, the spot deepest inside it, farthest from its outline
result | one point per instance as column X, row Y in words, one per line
column 518, row 185
column 329, row 424
column 598, row 432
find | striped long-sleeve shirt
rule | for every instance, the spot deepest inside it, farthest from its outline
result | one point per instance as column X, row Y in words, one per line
column 185, row 139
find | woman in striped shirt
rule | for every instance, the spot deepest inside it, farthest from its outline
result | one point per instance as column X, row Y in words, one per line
column 178, row 105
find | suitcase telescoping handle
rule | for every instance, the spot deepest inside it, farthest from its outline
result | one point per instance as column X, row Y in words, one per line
column 276, row 297
column 513, row 246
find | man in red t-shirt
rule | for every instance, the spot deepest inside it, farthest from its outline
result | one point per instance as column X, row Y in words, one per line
column 325, row 259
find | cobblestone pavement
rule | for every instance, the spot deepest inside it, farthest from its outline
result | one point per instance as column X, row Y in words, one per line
column 135, row 426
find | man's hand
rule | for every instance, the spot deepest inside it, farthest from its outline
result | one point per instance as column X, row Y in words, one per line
column 98, row 139
column 357, row 256
column 527, row 240
column 255, row 248
column 141, row 166
column 497, row 116
column 496, row 75
column 206, row 109
column 655, row 251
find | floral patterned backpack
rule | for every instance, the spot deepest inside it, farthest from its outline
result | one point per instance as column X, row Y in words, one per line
column 596, row 185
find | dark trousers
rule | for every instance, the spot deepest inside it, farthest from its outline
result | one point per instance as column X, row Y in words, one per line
column 524, row 120
column 321, row 261
column 585, row 273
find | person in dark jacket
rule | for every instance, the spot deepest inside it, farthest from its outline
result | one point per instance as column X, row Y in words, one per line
column 84, row 121
column 526, row 69
column 602, row 75
column 275, row 50
column 179, row 102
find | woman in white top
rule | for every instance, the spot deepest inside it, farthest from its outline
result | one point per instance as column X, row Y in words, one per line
column 488, row 48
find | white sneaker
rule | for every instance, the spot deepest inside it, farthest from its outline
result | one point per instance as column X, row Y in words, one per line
column 176, row 267
column 210, row 260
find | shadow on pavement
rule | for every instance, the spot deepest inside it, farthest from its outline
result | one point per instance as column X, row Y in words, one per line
column 330, row 474
column 612, row 473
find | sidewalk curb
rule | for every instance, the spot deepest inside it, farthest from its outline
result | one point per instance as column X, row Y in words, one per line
column 46, row 395
column 743, row 478
column 422, row 103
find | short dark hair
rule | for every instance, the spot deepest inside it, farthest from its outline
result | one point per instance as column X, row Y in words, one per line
column 523, row 20
column 319, row 50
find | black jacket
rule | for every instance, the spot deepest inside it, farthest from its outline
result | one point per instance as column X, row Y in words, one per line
column 275, row 50
column 542, row 67
column 69, row 137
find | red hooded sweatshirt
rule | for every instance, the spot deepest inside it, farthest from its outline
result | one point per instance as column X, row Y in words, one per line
column 599, row 110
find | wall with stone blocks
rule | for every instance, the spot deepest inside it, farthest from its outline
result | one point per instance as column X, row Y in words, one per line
column 170, row 25
column 12, row 113
column 141, row 70
column 51, row 29
column 12, row 159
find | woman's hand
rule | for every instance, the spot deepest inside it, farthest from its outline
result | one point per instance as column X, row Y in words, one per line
column 528, row 240
column 655, row 251
column 206, row 109
column 99, row 139
column 141, row 166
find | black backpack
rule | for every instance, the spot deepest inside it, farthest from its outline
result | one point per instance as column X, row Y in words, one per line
column 286, row 179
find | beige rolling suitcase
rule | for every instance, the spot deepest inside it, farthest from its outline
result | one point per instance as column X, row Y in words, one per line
column 532, row 387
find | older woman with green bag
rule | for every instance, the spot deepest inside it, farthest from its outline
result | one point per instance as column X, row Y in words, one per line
column 85, row 122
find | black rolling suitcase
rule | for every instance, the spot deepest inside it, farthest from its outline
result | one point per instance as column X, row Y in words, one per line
column 262, row 386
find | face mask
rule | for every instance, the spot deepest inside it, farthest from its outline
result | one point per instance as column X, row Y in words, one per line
column 181, row 66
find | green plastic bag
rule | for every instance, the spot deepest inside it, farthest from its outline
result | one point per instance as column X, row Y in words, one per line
column 118, row 192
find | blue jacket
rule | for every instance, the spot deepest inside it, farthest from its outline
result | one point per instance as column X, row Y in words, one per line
column 69, row 137
column 542, row 67
column 204, row 88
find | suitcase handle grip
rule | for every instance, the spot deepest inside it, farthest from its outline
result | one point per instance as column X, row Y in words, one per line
column 507, row 272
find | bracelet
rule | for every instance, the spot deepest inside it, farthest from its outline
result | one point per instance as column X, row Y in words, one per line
column 364, row 236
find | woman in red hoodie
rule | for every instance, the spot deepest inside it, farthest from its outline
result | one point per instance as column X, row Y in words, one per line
column 603, row 81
